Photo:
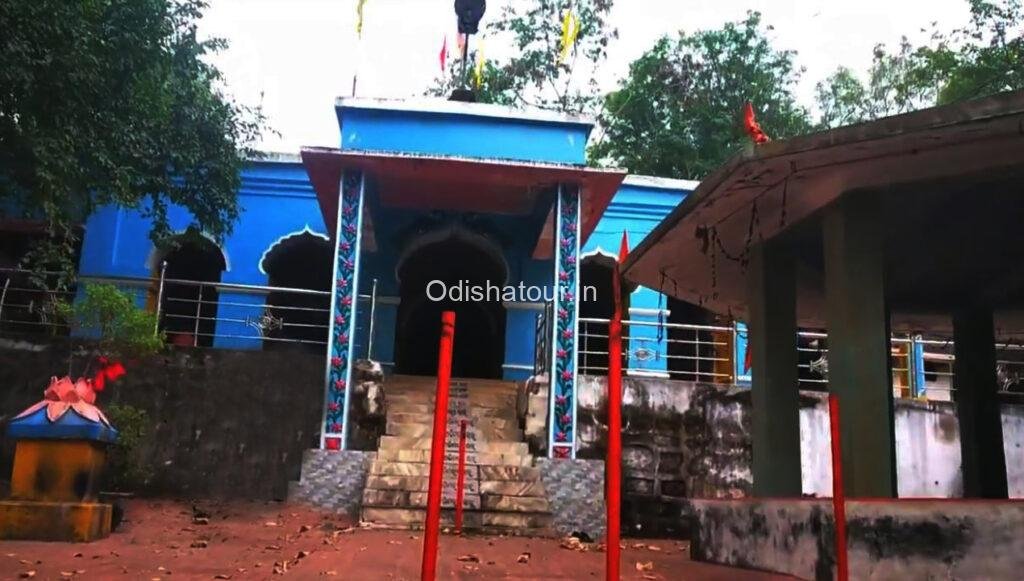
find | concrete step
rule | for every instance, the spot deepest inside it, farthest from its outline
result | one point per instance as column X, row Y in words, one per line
column 524, row 524
column 513, row 488
column 451, row 457
column 480, row 447
column 411, row 430
column 484, row 401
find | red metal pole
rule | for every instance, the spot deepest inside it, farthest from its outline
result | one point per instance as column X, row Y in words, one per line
column 460, row 481
column 838, row 496
column 613, row 463
column 432, row 526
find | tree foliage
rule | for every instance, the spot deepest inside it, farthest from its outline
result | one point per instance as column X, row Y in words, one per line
column 534, row 76
column 982, row 58
column 123, row 329
column 113, row 102
column 678, row 112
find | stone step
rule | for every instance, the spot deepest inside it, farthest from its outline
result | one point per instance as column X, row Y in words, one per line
column 474, row 471
column 482, row 433
column 404, row 407
column 525, row 524
column 481, row 401
column 425, row 419
column 482, row 459
column 406, row 499
column 480, row 447
column 412, row 483
column 386, row 468
column 513, row 488
column 424, row 380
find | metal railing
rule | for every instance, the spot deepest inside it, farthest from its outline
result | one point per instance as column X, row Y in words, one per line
column 190, row 312
column 690, row 352
column 921, row 367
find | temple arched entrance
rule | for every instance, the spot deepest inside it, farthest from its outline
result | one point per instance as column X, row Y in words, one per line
column 445, row 262
column 300, row 261
column 188, row 307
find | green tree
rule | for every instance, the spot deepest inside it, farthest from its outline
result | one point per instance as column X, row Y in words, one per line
column 679, row 111
column 982, row 58
column 114, row 102
column 535, row 76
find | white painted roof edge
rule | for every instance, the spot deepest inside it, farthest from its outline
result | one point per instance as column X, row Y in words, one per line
column 659, row 183
column 443, row 106
column 275, row 157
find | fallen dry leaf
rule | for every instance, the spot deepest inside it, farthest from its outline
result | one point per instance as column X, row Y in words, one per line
column 654, row 548
column 573, row 544
column 649, row 576
column 301, row 555
column 200, row 520
column 27, row 574
column 270, row 523
column 523, row 558
column 273, row 547
column 639, row 546
column 67, row 574
column 304, row 528
column 469, row 558
column 221, row 576
column 199, row 544
column 648, row 566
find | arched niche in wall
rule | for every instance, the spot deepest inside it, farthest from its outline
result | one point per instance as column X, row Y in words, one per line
column 455, row 257
column 188, row 307
column 303, row 260
column 597, row 301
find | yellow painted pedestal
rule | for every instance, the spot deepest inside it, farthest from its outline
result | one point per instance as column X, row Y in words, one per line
column 54, row 492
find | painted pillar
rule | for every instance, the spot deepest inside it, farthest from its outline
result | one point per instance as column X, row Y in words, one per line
column 774, row 386
column 338, row 375
column 562, row 424
column 983, row 460
column 859, row 362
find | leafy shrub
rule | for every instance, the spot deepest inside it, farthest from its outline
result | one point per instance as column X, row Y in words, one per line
column 127, row 471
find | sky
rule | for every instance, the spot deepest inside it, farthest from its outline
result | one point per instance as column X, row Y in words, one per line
column 295, row 56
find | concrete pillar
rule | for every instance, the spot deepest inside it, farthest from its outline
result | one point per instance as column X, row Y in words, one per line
column 562, row 411
column 981, row 427
column 859, row 364
column 775, row 380
column 340, row 351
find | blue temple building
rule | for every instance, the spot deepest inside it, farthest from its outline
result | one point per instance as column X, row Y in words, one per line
column 346, row 249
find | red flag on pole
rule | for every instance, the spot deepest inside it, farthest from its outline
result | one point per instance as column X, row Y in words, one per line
column 444, row 54
column 613, row 463
column 752, row 126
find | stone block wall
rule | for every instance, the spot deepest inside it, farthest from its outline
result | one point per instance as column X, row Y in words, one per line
column 224, row 423
column 575, row 491
column 333, row 480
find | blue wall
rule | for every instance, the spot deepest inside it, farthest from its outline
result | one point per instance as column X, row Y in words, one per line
column 276, row 200
column 499, row 134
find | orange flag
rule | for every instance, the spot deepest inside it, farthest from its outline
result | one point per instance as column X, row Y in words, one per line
column 444, row 53
column 752, row 126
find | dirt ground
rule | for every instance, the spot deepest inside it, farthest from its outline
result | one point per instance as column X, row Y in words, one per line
column 170, row 540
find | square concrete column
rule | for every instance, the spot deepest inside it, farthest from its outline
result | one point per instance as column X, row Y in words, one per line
column 562, row 411
column 775, row 381
column 859, row 364
column 983, row 460
column 341, row 339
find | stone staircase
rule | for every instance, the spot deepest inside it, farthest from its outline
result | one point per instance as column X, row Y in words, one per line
column 503, row 489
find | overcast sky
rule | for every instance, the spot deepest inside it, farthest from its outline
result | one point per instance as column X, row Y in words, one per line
column 300, row 54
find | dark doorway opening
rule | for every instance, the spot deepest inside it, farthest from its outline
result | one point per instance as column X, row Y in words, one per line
column 302, row 261
column 188, row 310
column 597, row 301
column 456, row 260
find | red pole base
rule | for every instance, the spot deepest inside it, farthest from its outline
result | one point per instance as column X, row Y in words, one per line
column 432, row 526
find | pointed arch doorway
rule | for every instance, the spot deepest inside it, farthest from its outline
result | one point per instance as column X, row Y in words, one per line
column 454, row 257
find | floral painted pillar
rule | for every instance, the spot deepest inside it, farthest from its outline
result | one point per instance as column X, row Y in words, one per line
column 343, row 311
column 562, row 427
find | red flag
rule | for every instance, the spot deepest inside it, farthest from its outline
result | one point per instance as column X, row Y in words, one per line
column 444, row 54
column 752, row 126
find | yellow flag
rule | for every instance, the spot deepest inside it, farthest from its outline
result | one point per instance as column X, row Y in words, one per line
column 359, row 17
column 570, row 30
column 478, row 70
